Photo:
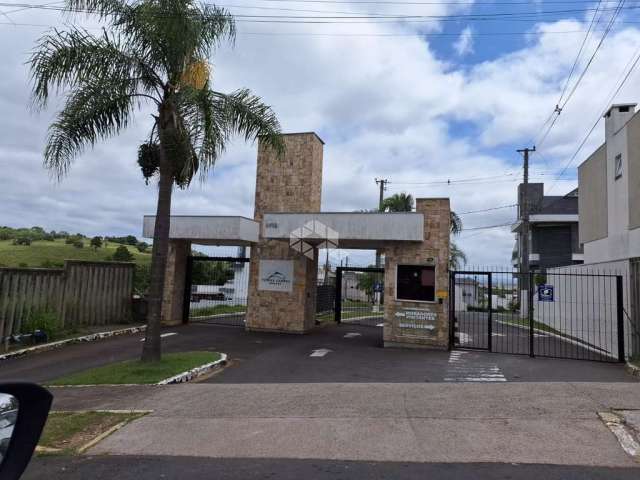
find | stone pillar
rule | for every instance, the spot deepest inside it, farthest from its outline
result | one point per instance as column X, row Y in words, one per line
column 174, row 283
column 291, row 183
column 415, row 323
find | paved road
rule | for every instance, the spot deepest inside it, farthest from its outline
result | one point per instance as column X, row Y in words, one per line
column 473, row 328
column 167, row 467
column 354, row 355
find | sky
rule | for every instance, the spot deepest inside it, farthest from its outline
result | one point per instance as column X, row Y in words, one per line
column 438, row 106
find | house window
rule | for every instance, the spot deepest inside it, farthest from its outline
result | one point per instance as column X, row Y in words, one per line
column 416, row 282
column 618, row 166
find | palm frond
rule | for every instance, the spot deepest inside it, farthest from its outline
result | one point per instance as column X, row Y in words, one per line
column 457, row 257
column 69, row 59
column 93, row 111
column 244, row 113
column 456, row 223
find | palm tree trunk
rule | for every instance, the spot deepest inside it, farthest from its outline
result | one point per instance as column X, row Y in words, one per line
column 151, row 350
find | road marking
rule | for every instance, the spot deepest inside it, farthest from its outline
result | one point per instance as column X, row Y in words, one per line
column 352, row 334
column 461, row 369
column 164, row 335
column 321, row 352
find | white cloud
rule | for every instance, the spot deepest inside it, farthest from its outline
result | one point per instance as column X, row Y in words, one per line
column 387, row 106
column 464, row 45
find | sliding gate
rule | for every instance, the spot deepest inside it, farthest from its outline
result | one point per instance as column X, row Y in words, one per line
column 216, row 290
column 562, row 315
column 360, row 296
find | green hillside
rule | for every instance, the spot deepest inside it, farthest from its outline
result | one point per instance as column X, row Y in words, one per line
column 53, row 253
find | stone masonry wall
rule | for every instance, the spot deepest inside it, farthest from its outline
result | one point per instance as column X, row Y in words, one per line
column 292, row 183
column 434, row 250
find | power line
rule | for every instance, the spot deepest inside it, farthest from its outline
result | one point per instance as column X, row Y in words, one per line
column 488, row 209
column 488, row 227
column 595, row 124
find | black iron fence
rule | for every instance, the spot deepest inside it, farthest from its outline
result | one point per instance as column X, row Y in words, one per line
column 216, row 290
column 552, row 314
column 360, row 296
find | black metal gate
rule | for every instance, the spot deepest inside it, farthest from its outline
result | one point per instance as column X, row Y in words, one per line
column 216, row 290
column 360, row 296
column 562, row 315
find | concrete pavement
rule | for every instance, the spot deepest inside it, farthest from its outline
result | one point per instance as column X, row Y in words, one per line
column 545, row 423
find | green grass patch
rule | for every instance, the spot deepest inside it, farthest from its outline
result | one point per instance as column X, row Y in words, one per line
column 217, row 310
column 137, row 372
column 66, row 432
column 54, row 253
column 524, row 322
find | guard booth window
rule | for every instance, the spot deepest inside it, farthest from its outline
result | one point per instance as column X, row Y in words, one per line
column 416, row 282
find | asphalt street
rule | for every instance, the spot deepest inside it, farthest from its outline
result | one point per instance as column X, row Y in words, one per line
column 354, row 353
column 168, row 467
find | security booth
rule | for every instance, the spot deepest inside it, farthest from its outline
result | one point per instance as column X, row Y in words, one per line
column 286, row 233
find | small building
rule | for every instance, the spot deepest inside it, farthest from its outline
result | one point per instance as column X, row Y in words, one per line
column 553, row 237
column 466, row 293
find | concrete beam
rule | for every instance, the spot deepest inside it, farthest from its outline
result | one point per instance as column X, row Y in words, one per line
column 208, row 230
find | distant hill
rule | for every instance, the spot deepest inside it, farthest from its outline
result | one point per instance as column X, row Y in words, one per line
column 53, row 253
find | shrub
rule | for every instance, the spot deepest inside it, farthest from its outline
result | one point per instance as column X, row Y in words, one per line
column 50, row 264
column 96, row 242
column 45, row 320
column 142, row 247
column 122, row 254
column 22, row 241
column 141, row 279
column 78, row 243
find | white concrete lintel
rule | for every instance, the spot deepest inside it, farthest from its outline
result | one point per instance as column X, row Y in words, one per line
column 359, row 230
column 208, row 230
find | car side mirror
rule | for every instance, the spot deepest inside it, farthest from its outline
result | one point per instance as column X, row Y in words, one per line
column 24, row 408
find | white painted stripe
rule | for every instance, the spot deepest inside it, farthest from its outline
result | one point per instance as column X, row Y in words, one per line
column 320, row 352
column 352, row 335
column 460, row 369
column 164, row 335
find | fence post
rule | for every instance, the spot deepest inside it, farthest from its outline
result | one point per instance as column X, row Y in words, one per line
column 530, row 313
column 186, row 302
column 338, row 306
column 620, row 315
column 490, row 304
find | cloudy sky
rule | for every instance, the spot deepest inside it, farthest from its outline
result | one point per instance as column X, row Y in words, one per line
column 394, row 93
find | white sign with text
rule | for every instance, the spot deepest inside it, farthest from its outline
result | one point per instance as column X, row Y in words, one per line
column 276, row 275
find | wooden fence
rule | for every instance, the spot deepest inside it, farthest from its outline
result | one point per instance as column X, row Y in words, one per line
column 80, row 294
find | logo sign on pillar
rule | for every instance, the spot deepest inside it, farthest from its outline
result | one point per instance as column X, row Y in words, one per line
column 545, row 293
column 276, row 275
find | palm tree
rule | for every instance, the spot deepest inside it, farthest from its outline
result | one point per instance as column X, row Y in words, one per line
column 154, row 52
column 457, row 257
column 398, row 202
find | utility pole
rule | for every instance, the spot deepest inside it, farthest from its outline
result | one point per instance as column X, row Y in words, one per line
column 524, row 215
column 383, row 186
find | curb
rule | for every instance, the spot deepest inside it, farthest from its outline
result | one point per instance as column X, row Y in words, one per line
column 196, row 372
column 632, row 369
column 61, row 343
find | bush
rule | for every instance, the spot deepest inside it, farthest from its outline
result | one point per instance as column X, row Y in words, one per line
column 122, row 254
column 22, row 241
column 78, row 243
column 96, row 242
column 141, row 279
column 45, row 320
column 50, row 264
column 142, row 247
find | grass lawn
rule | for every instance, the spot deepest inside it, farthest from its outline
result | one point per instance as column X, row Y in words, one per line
column 57, row 252
column 524, row 322
column 217, row 310
column 66, row 432
column 134, row 371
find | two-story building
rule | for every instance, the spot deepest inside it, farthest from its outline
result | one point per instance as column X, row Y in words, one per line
column 553, row 233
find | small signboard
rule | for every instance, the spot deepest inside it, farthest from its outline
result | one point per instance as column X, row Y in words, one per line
column 545, row 293
column 276, row 275
column 378, row 287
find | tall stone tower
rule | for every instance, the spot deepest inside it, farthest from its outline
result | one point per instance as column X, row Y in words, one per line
column 282, row 282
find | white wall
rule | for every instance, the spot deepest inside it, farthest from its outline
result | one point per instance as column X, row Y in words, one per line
column 585, row 305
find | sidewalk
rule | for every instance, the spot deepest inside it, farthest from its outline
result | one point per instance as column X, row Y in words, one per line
column 544, row 423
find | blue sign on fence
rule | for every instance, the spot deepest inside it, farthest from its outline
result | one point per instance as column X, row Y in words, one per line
column 378, row 287
column 545, row 293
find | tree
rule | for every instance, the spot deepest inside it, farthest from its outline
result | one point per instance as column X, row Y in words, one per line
column 398, row 202
column 152, row 52
column 457, row 257
column 96, row 242
column 122, row 254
